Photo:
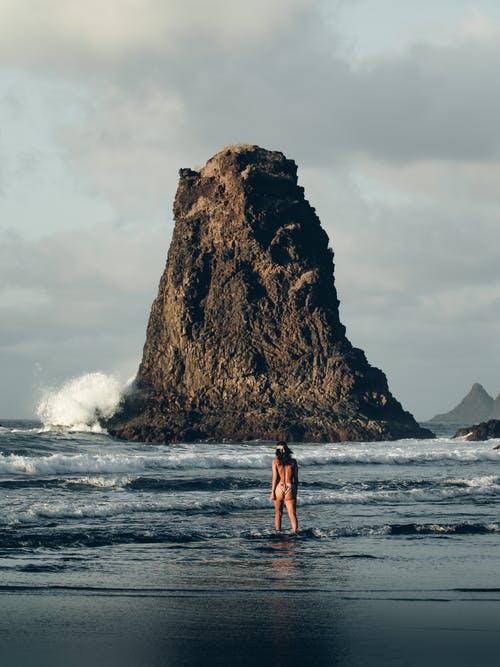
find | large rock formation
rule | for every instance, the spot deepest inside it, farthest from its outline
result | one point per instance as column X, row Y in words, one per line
column 244, row 339
column 477, row 406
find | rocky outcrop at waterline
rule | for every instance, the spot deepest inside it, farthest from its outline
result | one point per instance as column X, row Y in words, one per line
column 482, row 431
column 244, row 339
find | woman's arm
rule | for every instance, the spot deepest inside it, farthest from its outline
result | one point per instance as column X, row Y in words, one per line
column 295, row 477
column 274, row 483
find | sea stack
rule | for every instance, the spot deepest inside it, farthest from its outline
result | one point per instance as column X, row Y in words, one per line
column 244, row 339
column 478, row 405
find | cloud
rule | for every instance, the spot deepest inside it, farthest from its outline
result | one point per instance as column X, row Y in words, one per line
column 461, row 184
column 480, row 26
column 432, row 103
column 23, row 298
column 418, row 284
column 63, row 32
column 402, row 253
column 272, row 71
column 75, row 301
column 297, row 92
column 163, row 95
column 132, row 147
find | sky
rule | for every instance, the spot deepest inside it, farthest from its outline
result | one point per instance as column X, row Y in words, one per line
column 390, row 109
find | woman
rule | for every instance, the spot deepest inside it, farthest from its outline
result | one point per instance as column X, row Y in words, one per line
column 284, row 485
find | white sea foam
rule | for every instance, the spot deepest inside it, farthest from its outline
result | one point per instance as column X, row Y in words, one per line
column 124, row 503
column 80, row 402
column 121, row 505
column 396, row 453
column 124, row 462
column 128, row 459
column 57, row 464
column 482, row 482
column 99, row 482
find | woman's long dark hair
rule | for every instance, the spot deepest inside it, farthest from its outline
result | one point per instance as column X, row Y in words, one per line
column 283, row 453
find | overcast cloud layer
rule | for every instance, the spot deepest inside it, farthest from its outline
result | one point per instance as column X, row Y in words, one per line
column 397, row 144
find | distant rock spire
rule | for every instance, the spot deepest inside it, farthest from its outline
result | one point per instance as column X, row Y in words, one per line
column 495, row 411
column 477, row 406
column 244, row 339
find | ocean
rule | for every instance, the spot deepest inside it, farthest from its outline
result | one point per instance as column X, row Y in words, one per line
column 126, row 554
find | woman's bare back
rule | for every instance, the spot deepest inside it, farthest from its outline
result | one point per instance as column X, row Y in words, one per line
column 287, row 472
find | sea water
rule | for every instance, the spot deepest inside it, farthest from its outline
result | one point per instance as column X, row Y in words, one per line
column 141, row 554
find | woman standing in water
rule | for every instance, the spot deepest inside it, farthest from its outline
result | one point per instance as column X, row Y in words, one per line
column 284, row 485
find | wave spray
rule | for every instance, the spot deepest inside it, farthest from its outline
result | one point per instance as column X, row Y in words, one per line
column 81, row 402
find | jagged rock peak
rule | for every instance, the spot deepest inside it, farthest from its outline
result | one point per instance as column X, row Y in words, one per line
column 245, row 156
column 242, row 160
column 476, row 406
column 478, row 388
column 244, row 339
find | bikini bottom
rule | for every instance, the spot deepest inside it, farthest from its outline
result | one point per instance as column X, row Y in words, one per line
column 288, row 490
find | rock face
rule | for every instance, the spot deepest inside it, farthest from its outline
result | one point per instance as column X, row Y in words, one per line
column 477, row 406
column 495, row 412
column 482, row 431
column 244, row 339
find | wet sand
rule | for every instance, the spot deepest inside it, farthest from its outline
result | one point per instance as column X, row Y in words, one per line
column 62, row 627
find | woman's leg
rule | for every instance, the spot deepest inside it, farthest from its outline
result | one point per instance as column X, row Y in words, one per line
column 278, row 513
column 291, row 508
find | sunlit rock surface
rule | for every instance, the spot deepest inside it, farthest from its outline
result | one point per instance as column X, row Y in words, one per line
column 244, row 339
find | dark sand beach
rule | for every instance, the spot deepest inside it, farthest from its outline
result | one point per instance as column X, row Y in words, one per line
column 245, row 627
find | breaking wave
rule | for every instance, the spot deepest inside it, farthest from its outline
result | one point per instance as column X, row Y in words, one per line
column 409, row 529
column 99, row 536
column 80, row 403
column 126, row 459
column 226, row 495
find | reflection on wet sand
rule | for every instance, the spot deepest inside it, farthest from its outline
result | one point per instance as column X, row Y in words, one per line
column 283, row 558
